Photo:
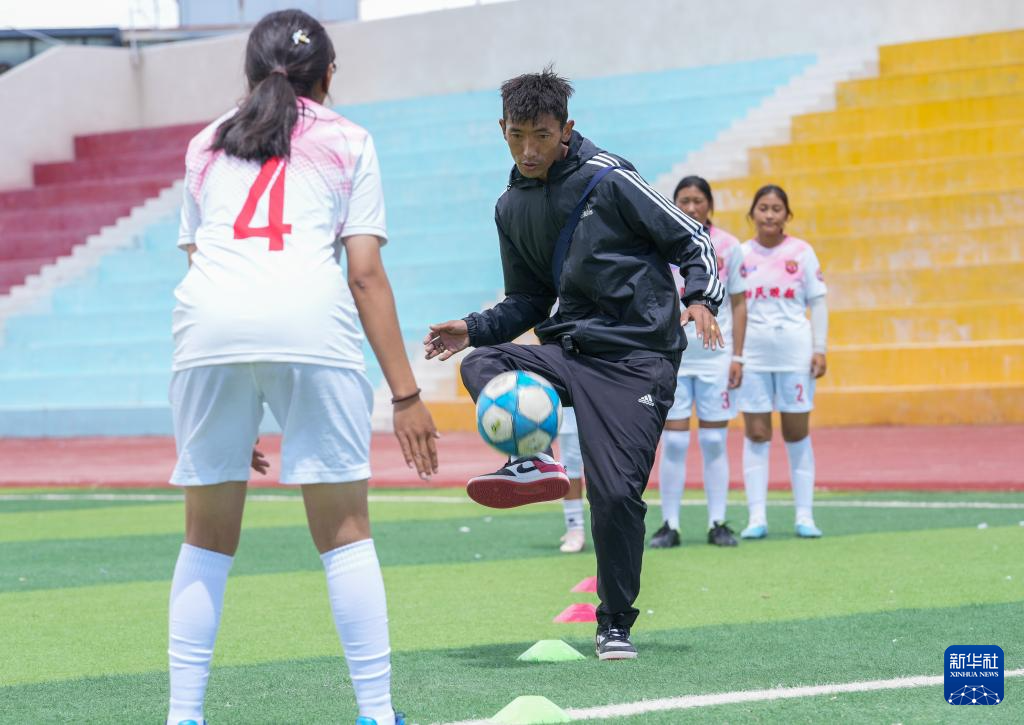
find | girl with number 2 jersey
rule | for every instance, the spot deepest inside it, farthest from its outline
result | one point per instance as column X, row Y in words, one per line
column 784, row 356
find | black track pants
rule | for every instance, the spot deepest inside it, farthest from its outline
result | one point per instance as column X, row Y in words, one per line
column 620, row 410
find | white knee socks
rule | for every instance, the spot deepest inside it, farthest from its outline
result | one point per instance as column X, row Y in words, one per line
column 573, row 510
column 755, row 480
column 801, row 471
column 716, row 471
column 356, row 590
column 197, row 595
column 672, row 474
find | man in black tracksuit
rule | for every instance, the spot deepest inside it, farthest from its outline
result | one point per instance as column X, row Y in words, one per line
column 613, row 346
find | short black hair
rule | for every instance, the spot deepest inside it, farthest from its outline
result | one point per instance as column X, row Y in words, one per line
column 532, row 95
column 698, row 182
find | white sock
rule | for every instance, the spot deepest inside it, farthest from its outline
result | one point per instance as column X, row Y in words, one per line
column 573, row 510
column 672, row 474
column 356, row 590
column 716, row 471
column 801, row 471
column 755, row 480
column 197, row 595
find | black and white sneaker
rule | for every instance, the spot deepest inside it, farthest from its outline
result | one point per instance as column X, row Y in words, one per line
column 521, row 481
column 613, row 643
column 721, row 535
column 665, row 537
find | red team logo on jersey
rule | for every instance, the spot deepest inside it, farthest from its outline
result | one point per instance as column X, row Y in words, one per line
column 792, row 266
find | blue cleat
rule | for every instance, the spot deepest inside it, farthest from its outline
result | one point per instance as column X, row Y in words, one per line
column 758, row 531
column 808, row 531
column 191, row 722
column 363, row 720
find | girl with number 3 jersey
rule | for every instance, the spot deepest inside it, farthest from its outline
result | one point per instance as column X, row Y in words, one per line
column 274, row 192
column 784, row 355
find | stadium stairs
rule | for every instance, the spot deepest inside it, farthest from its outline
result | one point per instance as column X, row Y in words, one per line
column 86, row 348
column 912, row 193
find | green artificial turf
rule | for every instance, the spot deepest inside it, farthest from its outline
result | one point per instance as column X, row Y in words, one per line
column 83, row 601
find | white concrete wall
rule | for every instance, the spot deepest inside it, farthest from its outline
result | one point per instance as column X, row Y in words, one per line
column 465, row 49
column 65, row 91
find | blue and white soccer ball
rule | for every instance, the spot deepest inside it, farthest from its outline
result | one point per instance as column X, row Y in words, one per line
column 518, row 413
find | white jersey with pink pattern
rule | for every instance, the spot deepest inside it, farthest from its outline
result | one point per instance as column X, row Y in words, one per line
column 697, row 360
column 780, row 281
column 266, row 282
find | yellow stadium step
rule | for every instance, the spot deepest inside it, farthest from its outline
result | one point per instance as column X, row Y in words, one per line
column 1001, row 138
column 931, row 86
column 965, row 363
column 970, row 51
column 940, row 286
column 908, row 118
column 866, row 405
column 979, row 174
column 896, row 252
column 989, row 320
column 929, row 214
column 920, row 405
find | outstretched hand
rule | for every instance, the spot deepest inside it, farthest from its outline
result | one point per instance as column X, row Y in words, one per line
column 445, row 339
column 707, row 328
column 417, row 435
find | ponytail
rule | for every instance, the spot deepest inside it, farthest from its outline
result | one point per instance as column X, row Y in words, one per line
column 287, row 55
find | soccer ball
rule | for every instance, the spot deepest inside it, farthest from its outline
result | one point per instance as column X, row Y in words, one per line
column 518, row 413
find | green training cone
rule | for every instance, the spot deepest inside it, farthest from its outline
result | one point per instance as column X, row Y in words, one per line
column 551, row 650
column 530, row 710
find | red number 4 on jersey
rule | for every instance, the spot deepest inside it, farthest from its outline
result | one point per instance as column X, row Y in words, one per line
column 276, row 228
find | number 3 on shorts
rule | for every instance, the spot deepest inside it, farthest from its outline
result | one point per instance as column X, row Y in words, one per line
column 276, row 228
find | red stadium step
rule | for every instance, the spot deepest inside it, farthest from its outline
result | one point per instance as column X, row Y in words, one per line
column 13, row 272
column 85, row 219
column 93, row 192
column 32, row 245
column 169, row 163
column 136, row 141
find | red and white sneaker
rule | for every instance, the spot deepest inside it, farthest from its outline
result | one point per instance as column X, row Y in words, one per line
column 531, row 479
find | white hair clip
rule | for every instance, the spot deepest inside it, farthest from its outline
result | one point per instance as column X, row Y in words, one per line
column 299, row 36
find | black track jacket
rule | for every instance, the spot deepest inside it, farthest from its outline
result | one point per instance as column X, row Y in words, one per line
column 616, row 295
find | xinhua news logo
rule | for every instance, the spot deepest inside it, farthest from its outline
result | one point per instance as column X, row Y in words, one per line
column 974, row 675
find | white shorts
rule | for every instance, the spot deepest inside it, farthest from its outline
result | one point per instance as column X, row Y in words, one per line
column 787, row 392
column 714, row 401
column 324, row 414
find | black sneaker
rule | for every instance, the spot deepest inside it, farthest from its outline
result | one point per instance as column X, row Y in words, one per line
column 721, row 535
column 613, row 643
column 665, row 537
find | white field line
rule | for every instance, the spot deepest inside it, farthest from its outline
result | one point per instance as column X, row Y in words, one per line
column 732, row 698
column 384, row 498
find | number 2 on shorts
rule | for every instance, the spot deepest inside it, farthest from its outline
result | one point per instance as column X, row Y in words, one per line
column 276, row 228
column 799, row 392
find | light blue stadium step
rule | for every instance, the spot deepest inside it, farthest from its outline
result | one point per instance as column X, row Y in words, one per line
column 99, row 361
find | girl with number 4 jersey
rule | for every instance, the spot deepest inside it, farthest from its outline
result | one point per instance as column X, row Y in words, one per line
column 275, row 191
column 784, row 356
